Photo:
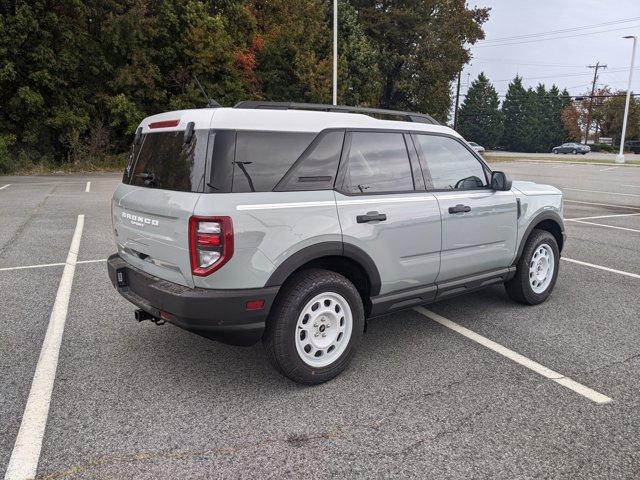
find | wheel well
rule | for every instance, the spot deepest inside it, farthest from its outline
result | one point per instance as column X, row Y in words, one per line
column 552, row 227
column 349, row 269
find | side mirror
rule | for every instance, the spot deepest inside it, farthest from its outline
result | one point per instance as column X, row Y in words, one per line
column 500, row 181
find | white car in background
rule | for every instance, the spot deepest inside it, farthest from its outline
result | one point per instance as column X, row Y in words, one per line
column 476, row 147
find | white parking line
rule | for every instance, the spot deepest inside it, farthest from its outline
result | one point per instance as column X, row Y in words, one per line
column 600, row 267
column 516, row 357
column 601, row 191
column 602, row 216
column 26, row 451
column 5, row 186
column 625, row 207
column 605, row 226
column 607, row 169
column 88, row 187
column 42, row 265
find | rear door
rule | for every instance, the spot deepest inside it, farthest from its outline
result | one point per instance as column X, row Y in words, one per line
column 384, row 209
column 152, row 206
column 479, row 225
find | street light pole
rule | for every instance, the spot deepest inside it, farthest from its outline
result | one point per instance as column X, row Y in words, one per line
column 620, row 156
column 335, row 52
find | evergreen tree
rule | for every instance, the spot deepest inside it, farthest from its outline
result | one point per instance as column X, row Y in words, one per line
column 515, row 112
column 480, row 118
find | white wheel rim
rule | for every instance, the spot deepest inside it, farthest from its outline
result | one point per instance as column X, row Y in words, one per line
column 324, row 329
column 541, row 268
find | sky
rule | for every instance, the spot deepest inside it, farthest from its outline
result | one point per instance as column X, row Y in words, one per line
column 562, row 61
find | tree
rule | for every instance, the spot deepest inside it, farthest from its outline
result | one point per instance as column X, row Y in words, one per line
column 480, row 118
column 420, row 49
column 612, row 114
column 359, row 76
column 515, row 116
column 570, row 120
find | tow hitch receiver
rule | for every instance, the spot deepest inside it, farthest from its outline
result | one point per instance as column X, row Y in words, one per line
column 142, row 315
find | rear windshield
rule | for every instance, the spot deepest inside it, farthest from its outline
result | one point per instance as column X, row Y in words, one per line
column 167, row 162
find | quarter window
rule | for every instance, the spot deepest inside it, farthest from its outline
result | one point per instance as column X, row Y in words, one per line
column 262, row 158
column 450, row 165
column 378, row 162
column 316, row 169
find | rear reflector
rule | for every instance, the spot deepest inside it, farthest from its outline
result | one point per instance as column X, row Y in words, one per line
column 164, row 124
column 254, row 305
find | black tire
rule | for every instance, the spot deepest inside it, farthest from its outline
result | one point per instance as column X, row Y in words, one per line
column 279, row 338
column 519, row 287
column 574, row 151
column 555, row 151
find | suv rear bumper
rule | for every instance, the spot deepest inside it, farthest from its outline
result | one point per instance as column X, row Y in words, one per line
column 215, row 314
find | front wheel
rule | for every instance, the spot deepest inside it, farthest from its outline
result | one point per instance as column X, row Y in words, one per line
column 555, row 151
column 314, row 327
column 574, row 151
column 537, row 269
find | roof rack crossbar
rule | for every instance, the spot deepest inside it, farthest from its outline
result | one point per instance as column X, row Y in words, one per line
column 406, row 116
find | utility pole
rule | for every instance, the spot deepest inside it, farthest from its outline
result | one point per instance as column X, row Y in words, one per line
column 455, row 112
column 596, row 67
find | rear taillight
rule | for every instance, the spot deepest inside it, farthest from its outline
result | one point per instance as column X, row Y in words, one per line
column 210, row 243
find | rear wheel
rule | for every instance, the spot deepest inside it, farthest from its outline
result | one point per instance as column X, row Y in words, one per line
column 314, row 327
column 537, row 269
column 574, row 151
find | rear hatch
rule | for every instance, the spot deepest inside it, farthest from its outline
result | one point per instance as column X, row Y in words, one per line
column 160, row 188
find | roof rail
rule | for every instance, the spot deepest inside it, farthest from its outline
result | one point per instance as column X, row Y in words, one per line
column 405, row 116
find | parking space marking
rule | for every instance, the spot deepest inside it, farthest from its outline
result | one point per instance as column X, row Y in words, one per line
column 608, row 169
column 625, row 207
column 605, row 226
column 601, row 191
column 24, row 459
column 602, row 216
column 600, row 267
column 88, row 187
column 42, row 265
column 5, row 186
column 560, row 379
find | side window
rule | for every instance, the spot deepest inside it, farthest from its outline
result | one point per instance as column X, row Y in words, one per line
column 378, row 162
column 449, row 164
column 316, row 169
column 262, row 158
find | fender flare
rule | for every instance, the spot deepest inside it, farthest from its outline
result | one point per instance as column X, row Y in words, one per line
column 540, row 217
column 327, row 249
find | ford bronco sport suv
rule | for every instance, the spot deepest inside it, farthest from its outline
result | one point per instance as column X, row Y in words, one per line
column 293, row 224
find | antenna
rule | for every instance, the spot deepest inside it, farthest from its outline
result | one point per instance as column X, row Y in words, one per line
column 211, row 103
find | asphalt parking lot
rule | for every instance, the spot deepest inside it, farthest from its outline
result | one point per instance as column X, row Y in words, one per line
column 419, row 400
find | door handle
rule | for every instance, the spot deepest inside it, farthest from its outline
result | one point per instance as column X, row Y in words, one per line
column 460, row 209
column 371, row 217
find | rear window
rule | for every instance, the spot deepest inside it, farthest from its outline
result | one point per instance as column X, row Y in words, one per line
column 166, row 162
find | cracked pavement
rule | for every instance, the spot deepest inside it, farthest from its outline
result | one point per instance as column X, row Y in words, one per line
column 418, row 401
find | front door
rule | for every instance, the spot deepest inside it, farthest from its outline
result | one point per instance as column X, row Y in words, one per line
column 385, row 211
column 479, row 225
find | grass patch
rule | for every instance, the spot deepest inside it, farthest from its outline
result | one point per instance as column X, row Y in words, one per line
column 104, row 164
column 525, row 158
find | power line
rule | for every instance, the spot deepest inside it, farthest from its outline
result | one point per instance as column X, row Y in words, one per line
column 557, row 38
column 564, row 30
column 564, row 75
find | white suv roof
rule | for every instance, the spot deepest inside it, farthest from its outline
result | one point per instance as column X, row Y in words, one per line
column 278, row 120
